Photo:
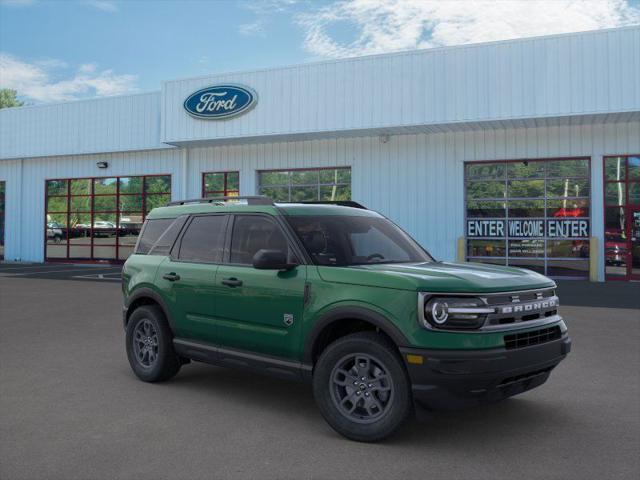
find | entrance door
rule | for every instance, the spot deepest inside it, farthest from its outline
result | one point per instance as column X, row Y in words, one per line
column 622, row 217
column 634, row 243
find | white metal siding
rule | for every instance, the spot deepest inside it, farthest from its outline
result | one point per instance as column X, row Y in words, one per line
column 416, row 180
column 90, row 126
column 547, row 77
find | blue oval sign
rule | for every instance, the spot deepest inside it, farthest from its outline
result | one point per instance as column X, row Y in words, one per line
column 220, row 101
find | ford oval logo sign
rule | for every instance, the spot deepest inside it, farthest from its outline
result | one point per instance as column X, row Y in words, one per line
column 220, row 101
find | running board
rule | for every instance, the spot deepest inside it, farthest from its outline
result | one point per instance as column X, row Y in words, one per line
column 225, row 357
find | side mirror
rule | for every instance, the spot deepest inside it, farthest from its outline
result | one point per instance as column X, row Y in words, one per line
column 271, row 260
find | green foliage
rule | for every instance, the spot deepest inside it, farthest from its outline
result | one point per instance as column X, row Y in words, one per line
column 8, row 98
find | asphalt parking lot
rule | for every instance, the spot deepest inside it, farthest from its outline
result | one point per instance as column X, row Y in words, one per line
column 70, row 408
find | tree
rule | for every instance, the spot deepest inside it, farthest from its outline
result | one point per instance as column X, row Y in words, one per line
column 8, row 98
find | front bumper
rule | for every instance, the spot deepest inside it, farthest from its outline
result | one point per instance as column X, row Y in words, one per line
column 452, row 379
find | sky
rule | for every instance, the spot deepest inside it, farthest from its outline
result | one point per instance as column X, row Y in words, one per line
column 59, row 50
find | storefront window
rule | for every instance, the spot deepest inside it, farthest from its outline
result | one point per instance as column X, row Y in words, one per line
column 533, row 214
column 100, row 218
column 221, row 184
column 2, row 210
column 328, row 184
column 622, row 217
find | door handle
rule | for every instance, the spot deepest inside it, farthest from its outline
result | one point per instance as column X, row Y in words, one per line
column 232, row 282
column 172, row 277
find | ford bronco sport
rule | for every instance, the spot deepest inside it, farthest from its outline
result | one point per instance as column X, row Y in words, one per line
column 339, row 296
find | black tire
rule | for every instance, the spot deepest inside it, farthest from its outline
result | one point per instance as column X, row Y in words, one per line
column 336, row 393
column 159, row 361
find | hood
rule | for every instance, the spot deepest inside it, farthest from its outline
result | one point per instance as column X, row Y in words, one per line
column 438, row 277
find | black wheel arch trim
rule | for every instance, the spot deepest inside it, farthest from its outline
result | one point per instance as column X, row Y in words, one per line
column 145, row 292
column 351, row 313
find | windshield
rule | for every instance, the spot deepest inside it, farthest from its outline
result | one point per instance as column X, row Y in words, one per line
column 342, row 240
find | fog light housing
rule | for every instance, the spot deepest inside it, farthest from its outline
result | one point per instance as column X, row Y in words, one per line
column 455, row 313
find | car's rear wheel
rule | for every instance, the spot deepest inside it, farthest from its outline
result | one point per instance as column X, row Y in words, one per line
column 150, row 346
column 361, row 387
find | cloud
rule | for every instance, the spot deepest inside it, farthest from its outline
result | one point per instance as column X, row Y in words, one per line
column 17, row 3
column 104, row 5
column 389, row 25
column 36, row 81
column 252, row 29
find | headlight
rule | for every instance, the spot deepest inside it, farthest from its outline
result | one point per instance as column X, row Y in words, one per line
column 455, row 313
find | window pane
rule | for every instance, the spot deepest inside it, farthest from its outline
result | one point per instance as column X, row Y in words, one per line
column 305, row 177
column 131, row 184
column 568, row 168
column 59, row 219
column 614, row 193
column 80, row 204
column 130, row 203
column 105, row 203
column 526, row 188
column 56, row 187
column 526, row 169
column 568, row 188
column 129, row 228
column 477, row 209
column 568, row 248
column 152, row 231
column 335, row 193
column 214, row 182
column 304, row 194
column 485, row 190
column 634, row 168
column 154, row 201
column 485, row 171
column 79, row 252
column 253, row 233
column 56, row 250
column 486, row 248
column 57, row 204
column 204, row 239
column 634, row 193
column 526, row 248
column 80, row 228
column 105, row 185
column 81, row 186
column 614, row 220
column 614, row 168
column 489, row 260
column 105, row 220
column 56, row 233
column 526, row 208
column 277, row 194
column 161, row 184
column 104, row 252
column 233, row 181
column 274, row 178
column 124, row 252
column 568, row 268
column 567, row 208
column 338, row 175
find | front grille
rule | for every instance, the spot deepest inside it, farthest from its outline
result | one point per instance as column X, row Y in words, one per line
column 522, row 306
column 535, row 337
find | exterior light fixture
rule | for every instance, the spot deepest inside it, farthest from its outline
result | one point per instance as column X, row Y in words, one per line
column 102, row 164
column 384, row 138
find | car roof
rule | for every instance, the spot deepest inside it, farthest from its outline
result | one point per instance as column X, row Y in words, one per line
column 292, row 209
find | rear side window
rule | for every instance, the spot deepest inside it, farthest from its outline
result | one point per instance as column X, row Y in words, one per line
column 151, row 232
column 167, row 239
column 204, row 239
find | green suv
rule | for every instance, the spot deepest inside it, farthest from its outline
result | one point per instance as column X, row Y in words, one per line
column 339, row 296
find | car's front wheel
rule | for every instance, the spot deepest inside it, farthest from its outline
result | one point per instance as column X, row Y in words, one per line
column 150, row 345
column 361, row 387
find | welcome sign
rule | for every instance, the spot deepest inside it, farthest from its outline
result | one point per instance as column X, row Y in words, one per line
column 220, row 101
column 528, row 228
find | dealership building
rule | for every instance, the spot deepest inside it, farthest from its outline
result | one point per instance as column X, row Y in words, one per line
column 522, row 152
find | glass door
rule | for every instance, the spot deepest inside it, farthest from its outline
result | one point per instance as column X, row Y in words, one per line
column 622, row 217
column 634, row 240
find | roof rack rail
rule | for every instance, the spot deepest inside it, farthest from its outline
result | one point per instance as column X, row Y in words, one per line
column 342, row 203
column 251, row 200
